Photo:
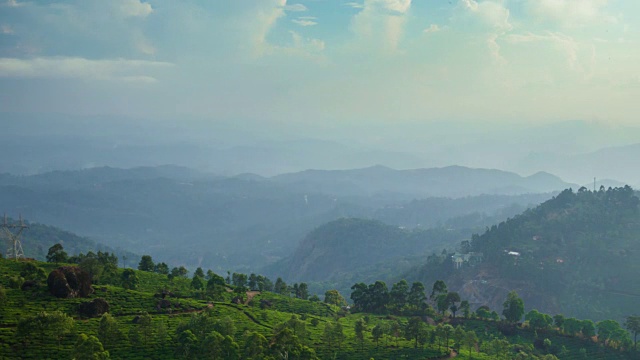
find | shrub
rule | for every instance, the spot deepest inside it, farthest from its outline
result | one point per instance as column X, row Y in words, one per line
column 93, row 308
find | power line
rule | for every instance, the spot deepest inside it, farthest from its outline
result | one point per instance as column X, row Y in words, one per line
column 13, row 231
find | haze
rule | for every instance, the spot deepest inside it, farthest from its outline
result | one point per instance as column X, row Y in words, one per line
column 275, row 86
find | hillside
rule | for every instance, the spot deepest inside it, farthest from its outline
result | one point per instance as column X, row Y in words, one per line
column 451, row 181
column 576, row 254
column 157, row 317
column 37, row 239
column 241, row 222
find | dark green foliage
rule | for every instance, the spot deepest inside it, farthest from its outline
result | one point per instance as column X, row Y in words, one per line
column 333, row 297
column 632, row 323
column 56, row 254
column 161, row 268
column 513, row 307
column 94, row 308
column 129, row 279
column 89, row 348
column 146, row 263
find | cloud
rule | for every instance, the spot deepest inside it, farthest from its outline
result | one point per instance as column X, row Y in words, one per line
column 432, row 29
column 571, row 13
column 491, row 15
column 6, row 30
column 81, row 68
column 304, row 22
column 295, row 7
column 568, row 46
column 380, row 23
column 135, row 8
column 354, row 5
column 13, row 3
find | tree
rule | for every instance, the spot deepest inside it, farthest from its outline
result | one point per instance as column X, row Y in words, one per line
column 187, row 342
column 196, row 283
column 281, row 287
column 414, row 329
column 129, row 279
column 470, row 340
column 439, row 287
column 377, row 332
column 57, row 254
column 632, row 324
column 417, row 297
column 303, row 291
column 55, row 324
column 255, row 346
column 558, row 320
column 108, row 331
column 89, row 348
column 466, row 308
column 199, row 272
column 333, row 297
column 145, row 327
column 146, row 263
column 161, row 268
column 398, row 294
column 360, row 328
column 239, row 280
column 458, row 337
column 452, row 299
column 179, row 272
column 588, row 328
column 513, row 307
column 538, row 320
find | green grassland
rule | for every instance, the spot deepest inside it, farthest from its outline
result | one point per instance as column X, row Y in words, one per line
column 161, row 341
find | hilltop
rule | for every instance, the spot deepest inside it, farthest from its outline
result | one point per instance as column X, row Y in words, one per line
column 576, row 254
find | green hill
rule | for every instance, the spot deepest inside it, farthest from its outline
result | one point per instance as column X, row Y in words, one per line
column 37, row 239
column 165, row 318
column 577, row 254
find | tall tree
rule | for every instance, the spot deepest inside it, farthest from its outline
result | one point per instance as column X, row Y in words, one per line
column 439, row 287
column 414, row 329
column 632, row 324
column 281, row 287
column 513, row 307
column 57, row 254
column 108, row 331
column 417, row 297
column 129, row 279
column 359, row 330
column 377, row 332
column 146, row 263
column 398, row 294
column 89, row 348
column 333, row 297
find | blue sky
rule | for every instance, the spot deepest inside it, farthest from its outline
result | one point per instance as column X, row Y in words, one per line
column 314, row 61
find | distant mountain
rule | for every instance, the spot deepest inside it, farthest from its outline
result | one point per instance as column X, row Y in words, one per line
column 577, row 254
column 38, row 238
column 244, row 222
column 451, row 181
column 607, row 163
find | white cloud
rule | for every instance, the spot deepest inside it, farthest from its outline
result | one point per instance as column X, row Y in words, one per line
column 568, row 46
column 135, row 8
column 6, row 29
column 13, row 3
column 304, row 22
column 354, row 5
column 80, row 68
column 381, row 23
column 490, row 14
column 571, row 13
column 432, row 29
column 295, row 7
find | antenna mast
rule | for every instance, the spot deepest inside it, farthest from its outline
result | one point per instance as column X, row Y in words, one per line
column 13, row 232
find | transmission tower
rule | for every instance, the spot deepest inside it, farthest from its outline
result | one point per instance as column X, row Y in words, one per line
column 13, row 232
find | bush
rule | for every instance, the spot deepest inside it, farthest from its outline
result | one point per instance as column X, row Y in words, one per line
column 93, row 308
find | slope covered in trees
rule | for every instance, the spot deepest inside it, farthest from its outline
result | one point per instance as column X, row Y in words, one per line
column 142, row 314
column 578, row 254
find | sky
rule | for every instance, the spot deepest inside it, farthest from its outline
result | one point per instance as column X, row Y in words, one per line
column 337, row 62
